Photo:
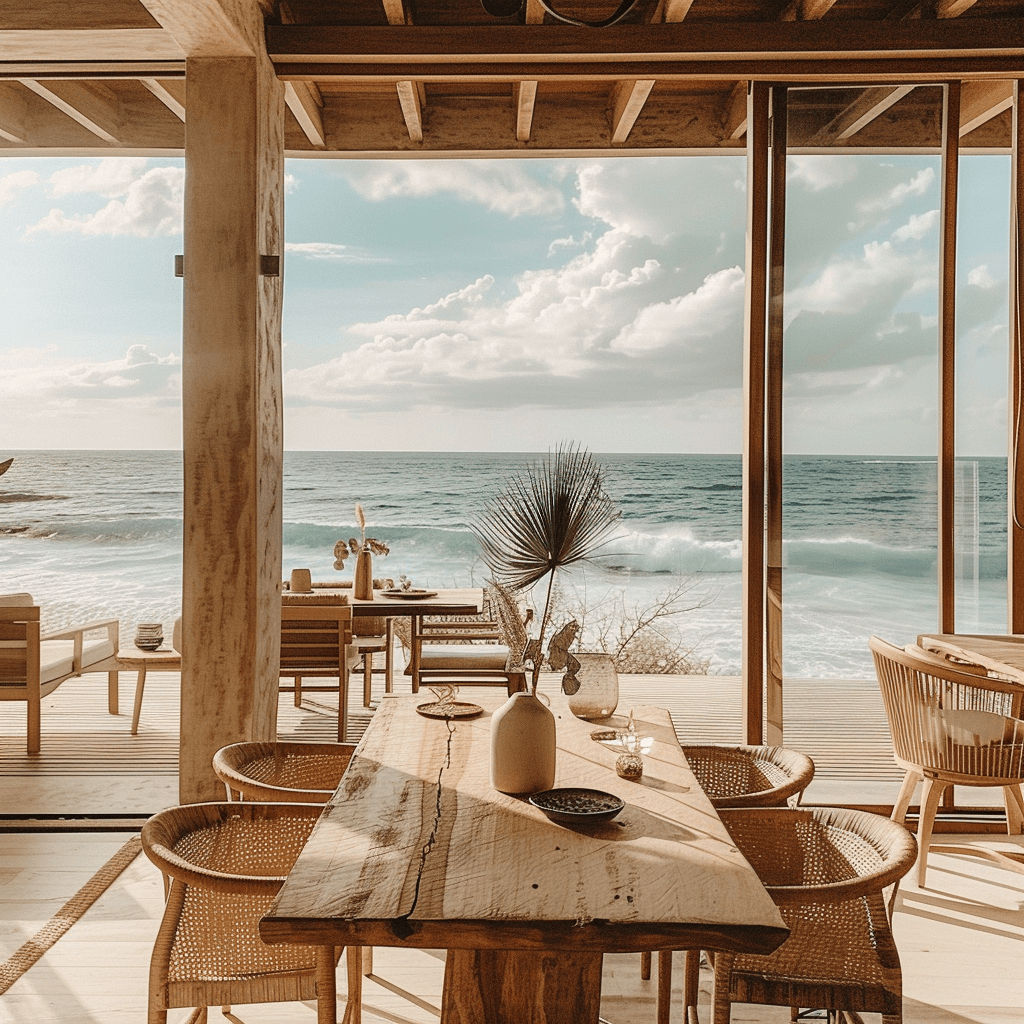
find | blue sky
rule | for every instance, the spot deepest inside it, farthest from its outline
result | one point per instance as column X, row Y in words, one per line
column 479, row 305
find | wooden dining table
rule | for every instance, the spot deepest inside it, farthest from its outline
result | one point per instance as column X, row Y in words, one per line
column 1000, row 654
column 416, row 849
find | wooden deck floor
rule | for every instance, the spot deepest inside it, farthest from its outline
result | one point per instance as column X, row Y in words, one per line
column 960, row 942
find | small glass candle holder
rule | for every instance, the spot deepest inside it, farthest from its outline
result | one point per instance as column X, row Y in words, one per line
column 629, row 766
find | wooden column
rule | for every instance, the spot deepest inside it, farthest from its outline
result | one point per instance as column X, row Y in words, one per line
column 773, row 419
column 231, row 404
column 947, row 356
column 754, row 343
column 1015, row 527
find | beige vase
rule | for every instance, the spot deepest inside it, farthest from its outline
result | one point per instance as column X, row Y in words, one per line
column 362, row 587
column 522, row 746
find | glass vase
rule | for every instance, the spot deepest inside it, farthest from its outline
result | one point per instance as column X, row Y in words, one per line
column 598, row 694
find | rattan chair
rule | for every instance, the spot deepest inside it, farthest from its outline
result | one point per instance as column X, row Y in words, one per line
column 826, row 868
column 951, row 726
column 741, row 776
column 225, row 864
column 306, row 773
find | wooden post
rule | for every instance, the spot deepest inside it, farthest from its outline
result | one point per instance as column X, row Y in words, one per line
column 231, row 404
column 1015, row 476
column 773, row 418
column 754, row 342
column 947, row 356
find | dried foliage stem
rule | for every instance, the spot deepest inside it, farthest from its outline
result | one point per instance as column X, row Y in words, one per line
column 554, row 514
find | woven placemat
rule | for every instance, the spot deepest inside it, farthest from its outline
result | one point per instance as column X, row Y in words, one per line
column 314, row 599
column 29, row 952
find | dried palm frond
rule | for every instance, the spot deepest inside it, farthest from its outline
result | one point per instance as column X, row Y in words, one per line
column 555, row 514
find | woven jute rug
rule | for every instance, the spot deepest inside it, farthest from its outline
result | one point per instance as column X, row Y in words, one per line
column 24, row 957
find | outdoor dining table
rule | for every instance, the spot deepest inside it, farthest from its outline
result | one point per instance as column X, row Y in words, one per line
column 416, row 849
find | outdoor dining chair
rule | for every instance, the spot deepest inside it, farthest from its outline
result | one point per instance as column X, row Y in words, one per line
column 731, row 776
column 951, row 726
column 33, row 665
column 827, row 869
column 226, row 863
column 287, row 772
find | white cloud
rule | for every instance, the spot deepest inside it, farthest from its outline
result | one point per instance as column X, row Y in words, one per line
column 917, row 186
column 817, row 173
column 11, row 184
column 499, row 186
column 152, row 206
column 329, row 251
column 917, row 227
column 111, row 177
column 981, row 278
column 715, row 307
column 49, row 379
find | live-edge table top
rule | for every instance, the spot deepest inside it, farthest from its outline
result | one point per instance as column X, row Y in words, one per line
column 417, row 849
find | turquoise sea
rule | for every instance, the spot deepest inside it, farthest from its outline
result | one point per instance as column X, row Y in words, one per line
column 94, row 534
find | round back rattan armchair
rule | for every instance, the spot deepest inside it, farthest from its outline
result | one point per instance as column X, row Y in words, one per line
column 826, row 868
column 750, row 776
column 225, row 863
column 286, row 772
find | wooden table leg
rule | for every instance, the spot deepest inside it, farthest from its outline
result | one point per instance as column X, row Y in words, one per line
column 498, row 986
column 140, row 686
column 326, row 986
column 415, row 625
column 112, row 694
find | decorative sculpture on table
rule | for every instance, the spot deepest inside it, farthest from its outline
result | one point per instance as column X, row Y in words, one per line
column 555, row 514
column 363, row 549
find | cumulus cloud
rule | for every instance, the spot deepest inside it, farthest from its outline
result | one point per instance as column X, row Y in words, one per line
column 330, row 251
column 817, row 173
column 503, row 187
column 917, row 227
column 11, row 184
column 140, row 374
column 152, row 203
column 918, row 185
column 981, row 278
column 111, row 177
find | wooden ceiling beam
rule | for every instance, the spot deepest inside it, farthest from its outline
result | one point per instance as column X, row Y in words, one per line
column 734, row 114
column 91, row 104
column 870, row 104
column 701, row 41
column 524, row 96
column 211, row 28
column 301, row 100
column 982, row 101
column 56, row 44
column 626, row 101
column 13, row 114
column 171, row 93
column 952, row 8
column 412, row 109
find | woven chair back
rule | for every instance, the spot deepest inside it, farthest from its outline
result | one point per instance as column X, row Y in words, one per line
column 947, row 720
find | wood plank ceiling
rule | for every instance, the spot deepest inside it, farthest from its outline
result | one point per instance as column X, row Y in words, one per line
column 444, row 77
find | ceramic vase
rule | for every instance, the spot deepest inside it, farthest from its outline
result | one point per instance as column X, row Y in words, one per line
column 362, row 588
column 522, row 746
column 598, row 694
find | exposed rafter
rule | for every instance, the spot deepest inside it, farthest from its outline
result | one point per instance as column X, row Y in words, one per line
column 952, row 8
column 626, row 102
column 870, row 104
column 91, row 104
column 734, row 118
column 982, row 101
column 806, row 10
column 170, row 93
column 13, row 114
column 524, row 96
column 301, row 98
column 412, row 109
column 134, row 44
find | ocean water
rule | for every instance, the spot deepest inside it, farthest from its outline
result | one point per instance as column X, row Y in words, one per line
column 98, row 534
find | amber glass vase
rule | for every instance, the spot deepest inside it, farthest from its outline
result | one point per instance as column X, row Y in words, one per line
column 598, row 694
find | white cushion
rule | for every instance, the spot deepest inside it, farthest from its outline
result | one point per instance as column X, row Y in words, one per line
column 976, row 728
column 15, row 600
column 56, row 657
column 464, row 656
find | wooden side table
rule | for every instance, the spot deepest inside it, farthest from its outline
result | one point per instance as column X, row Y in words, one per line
column 166, row 659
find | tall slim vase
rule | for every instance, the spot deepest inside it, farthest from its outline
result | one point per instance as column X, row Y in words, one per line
column 362, row 587
column 522, row 746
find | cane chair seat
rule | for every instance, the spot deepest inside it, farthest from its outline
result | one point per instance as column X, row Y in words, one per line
column 747, row 776
column 826, row 869
column 739, row 776
column 951, row 725
column 289, row 772
column 226, row 864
